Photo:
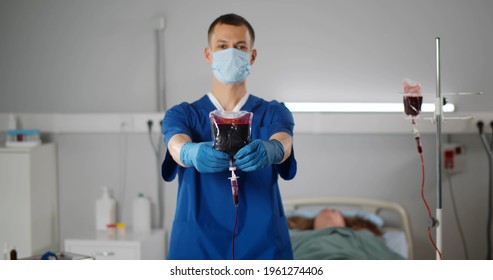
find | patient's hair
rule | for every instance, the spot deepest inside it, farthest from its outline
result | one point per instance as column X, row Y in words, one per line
column 355, row 223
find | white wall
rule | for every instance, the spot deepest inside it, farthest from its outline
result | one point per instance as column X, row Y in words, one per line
column 99, row 56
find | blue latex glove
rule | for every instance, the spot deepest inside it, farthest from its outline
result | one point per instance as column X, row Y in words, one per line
column 204, row 157
column 259, row 154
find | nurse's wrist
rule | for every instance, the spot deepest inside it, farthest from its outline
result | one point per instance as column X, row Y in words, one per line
column 276, row 151
column 186, row 153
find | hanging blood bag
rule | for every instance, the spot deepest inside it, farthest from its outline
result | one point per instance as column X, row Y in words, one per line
column 412, row 104
column 230, row 130
column 412, row 98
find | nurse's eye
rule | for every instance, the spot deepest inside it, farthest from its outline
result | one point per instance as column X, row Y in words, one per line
column 242, row 48
column 222, row 46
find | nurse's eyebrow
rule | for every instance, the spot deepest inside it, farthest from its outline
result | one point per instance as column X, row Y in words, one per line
column 241, row 42
column 226, row 41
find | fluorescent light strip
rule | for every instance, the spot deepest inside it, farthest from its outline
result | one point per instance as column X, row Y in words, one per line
column 335, row 107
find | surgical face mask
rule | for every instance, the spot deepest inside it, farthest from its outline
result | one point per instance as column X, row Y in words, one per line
column 231, row 66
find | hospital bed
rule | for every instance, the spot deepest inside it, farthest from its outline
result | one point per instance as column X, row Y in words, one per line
column 391, row 217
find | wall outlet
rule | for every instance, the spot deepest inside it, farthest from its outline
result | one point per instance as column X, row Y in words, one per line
column 140, row 122
column 453, row 158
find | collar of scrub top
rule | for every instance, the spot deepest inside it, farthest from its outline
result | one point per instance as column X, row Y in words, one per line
column 218, row 105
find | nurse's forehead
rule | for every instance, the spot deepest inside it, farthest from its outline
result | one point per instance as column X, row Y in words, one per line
column 226, row 32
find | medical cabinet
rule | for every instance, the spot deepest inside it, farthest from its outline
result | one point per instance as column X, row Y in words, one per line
column 29, row 199
column 131, row 246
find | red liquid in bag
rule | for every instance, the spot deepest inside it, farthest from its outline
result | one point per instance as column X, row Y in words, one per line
column 230, row 138
column 412, row 105
column 230, row 134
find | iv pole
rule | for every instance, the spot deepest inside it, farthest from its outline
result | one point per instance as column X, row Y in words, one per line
column 438, row 120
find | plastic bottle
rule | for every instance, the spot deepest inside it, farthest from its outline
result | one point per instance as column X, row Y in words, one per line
column 141, row 214
column 12, row 124
column 5, row 251
column 105, row 210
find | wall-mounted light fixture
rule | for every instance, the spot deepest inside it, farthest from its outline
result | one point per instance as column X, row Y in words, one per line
column 343, row 107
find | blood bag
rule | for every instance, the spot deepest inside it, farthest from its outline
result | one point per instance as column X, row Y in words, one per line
column 412, row 97
column 230, row 130
column 412, row 104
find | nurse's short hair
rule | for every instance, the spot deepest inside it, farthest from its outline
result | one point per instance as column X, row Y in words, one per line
column 231, row 19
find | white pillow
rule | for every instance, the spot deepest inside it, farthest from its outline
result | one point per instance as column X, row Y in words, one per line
column 311, row 213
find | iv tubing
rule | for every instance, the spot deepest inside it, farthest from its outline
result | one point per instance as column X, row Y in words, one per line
column 433, row 221
column 234, row 190
column 234, row 181
column 234, row 232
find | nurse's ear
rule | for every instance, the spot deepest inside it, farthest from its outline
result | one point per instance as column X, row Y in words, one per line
column 253, row 56
column 208, row 55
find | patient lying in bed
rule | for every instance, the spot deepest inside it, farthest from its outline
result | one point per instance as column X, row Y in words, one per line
column 331, row 236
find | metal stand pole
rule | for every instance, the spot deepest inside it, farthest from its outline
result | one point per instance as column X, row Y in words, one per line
column 160, row 107
column 438, row 120
column 161, row 98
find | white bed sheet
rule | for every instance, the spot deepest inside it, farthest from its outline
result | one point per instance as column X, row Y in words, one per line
column 396, row 241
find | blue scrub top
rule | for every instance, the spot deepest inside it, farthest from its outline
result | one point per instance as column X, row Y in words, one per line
column 205, row 212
